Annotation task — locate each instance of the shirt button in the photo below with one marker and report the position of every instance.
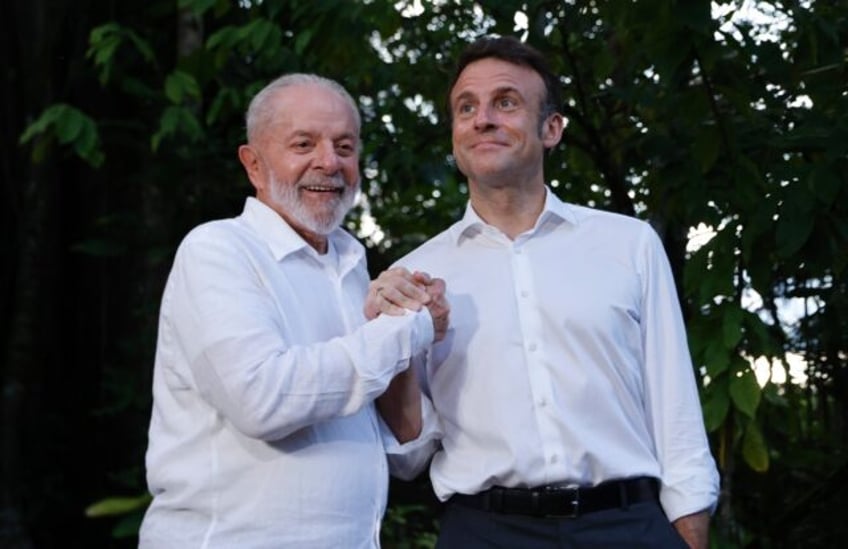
(542, 402)
(554, 458)
(531, 347)
(524, 293)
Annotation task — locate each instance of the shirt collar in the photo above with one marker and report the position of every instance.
(283, 240)
(555, 210)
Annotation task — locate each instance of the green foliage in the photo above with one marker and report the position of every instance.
(199, 7)
(69, 126)
(716, 404)
(408, 526)
(180, 85)
(177, 120)
(104, 43)
(129, 510)
(117, 506)
(745, 392)
(754, 448)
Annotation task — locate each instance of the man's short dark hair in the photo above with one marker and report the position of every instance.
(511, 50)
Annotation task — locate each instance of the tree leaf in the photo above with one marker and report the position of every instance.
(103, 43)
(261, 31)
(117, 505)
(188, 83)
(302, 41)
(224, 38)
(716, 357)
(142, 46)
(168, 123)
(745, 392)
(731, 325)
(69, 126)
(189, 125)
(174, 90)
(41, 123)
(87, 144)
(754, 449)
(716, 405)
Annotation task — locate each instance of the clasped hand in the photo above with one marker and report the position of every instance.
(398, 289)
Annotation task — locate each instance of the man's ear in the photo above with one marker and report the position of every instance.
(552, 130)
(252, 163)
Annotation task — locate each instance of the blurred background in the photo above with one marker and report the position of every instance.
(724, 124)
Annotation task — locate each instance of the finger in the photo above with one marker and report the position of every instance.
(377, 304)
(389, 308)
(440, 328)
(394, 273)
(371, 309)
(404, 292)
(421, 277)
(398, 278)
(436, 287)
(439, 303)
(390, 278)
(405, 295)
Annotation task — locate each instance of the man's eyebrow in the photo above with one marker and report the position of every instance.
(306, 133)
(503, 90)
(299, 133)
(461, 96)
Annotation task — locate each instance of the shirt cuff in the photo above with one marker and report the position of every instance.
(424, 332)
(677, 503)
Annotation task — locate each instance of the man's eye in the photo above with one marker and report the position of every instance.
(345, 149)
(506, 103)
(465, 108)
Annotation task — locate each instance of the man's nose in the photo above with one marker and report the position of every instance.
(484, 117)
(326, 158)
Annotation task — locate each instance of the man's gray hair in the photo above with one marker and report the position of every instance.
(259, 112)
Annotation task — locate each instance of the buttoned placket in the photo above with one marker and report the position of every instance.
(340, 272)
(531, 322)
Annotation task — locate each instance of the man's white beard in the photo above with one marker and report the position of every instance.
(286, 197)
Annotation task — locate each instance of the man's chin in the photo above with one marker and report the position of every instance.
(323, 224)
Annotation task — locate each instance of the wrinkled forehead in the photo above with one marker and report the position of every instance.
(490, 76)
(314, 109)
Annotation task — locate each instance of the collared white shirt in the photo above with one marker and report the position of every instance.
(263, 432)
(566, 360)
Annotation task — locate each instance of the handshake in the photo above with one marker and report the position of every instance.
(397, 289)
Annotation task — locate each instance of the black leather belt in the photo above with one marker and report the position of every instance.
(562, 501)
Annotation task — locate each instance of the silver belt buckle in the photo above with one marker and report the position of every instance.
(571, 494)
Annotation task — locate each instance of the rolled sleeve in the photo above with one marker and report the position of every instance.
(690, 479)
(689, 496)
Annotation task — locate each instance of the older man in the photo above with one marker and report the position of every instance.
(263, 431)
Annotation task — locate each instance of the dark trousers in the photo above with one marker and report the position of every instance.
(641, 525)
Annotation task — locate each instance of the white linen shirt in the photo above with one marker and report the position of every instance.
(566, 360)
(263, 431)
